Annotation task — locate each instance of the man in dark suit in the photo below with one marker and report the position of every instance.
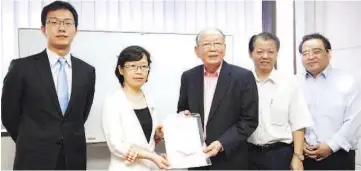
(47, 97)
(226, 98)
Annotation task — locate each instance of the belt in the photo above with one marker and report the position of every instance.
(269, 147)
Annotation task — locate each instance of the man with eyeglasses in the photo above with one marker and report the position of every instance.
(226, 98)
(334, 102)
(47, 97)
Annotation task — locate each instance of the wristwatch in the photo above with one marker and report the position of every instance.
(299, 156)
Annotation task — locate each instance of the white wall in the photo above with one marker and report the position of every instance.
(241, 19)
(284, 29)
(339, 21)
(342, 26)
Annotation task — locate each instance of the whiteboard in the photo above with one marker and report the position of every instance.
(171, 55)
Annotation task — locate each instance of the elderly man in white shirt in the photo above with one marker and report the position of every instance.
(277, 143)
(335, 104)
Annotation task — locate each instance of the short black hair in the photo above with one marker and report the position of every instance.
(264, 36)
(56, 5)
(326, 42)
(129, 54)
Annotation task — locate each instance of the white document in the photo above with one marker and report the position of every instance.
(183, 142)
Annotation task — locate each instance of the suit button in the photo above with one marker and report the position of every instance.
(60, 142)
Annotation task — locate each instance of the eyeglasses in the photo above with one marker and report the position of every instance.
(315, 52)
(57, 22)
(144, 68)
(262, 52)
(217, 45)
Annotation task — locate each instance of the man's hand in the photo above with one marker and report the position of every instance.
(159, 135)
(213, 149)
(320, 152)
(296, 163)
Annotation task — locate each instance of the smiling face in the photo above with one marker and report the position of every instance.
(211, 48)
(59, 29)
(264, 54)
(315, 57)
(135, 73)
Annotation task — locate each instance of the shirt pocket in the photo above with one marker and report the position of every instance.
(279, 115)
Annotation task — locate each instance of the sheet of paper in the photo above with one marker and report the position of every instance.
(183, 142)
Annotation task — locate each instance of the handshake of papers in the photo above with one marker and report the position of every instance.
(184, 141)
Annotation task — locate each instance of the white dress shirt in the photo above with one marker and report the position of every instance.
(282, 109)
(55, 66)
(335, 104)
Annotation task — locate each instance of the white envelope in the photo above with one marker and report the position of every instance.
(184, 141)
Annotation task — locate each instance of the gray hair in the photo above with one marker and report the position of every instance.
(207, 31)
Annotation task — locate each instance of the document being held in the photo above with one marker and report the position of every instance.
(184, 141)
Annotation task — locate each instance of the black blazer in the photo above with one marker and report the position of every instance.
(233, 115)
(32, 116)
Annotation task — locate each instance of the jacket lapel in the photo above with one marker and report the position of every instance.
(75, 80)
(199, 86)
(129, 116)
(222, 84)
(151, 107)
(43, 67)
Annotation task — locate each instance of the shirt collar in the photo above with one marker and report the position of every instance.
(325, 73)
(272, 77)
(53, 58)
(216, 74)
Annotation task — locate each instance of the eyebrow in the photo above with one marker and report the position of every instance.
(216, 41)
(262, 49)
(60, 18)
(317, 49)
(312, 49)
(133, 62)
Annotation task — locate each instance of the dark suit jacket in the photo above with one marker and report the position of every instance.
(233, 115)
(31, 113)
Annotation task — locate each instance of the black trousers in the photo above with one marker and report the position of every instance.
(341, 160)
(60, 164)
(276, 156)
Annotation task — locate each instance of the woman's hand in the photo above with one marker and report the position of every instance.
(137, 152)
(161, 161)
